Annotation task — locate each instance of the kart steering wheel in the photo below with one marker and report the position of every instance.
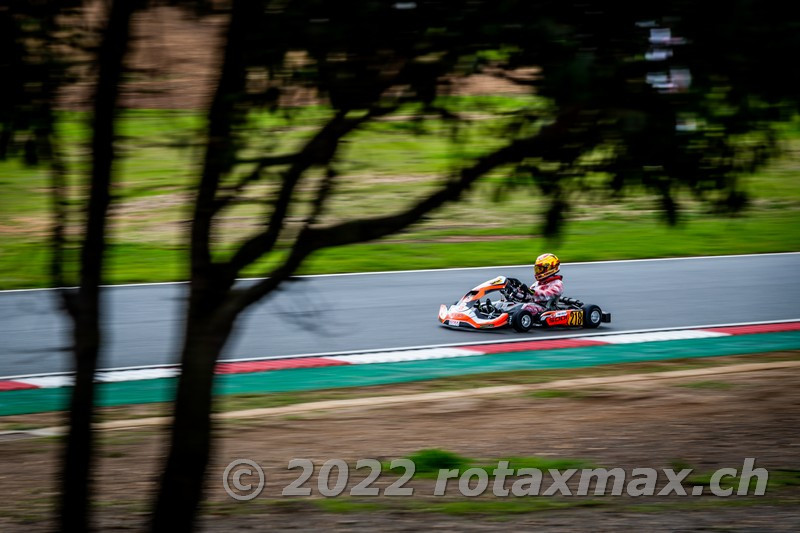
(508, 291)
(512, 287)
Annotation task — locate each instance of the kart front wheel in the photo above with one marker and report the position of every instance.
(522, 321)
(592, 316)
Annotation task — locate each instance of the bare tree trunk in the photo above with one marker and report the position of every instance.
(182, 483)
(77, 459)
(214, 303)
(181, 487)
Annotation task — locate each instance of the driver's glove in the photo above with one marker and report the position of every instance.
(521, 295)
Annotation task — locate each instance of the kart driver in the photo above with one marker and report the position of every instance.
(547, 287)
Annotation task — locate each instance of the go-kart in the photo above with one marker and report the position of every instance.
(472, 313)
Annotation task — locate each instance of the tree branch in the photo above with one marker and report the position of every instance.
(374, 228)
(232, 193)
(320, 150)
(323, 193)
(313, 239)
(220, 147)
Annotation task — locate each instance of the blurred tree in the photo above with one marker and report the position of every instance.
(370, 59)
(84, 305)
(34, 67)
(630, 97)
(674, 96)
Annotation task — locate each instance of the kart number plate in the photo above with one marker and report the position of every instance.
(455, 322)
(576, 318)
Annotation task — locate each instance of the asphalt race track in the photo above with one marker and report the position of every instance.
(321, 314)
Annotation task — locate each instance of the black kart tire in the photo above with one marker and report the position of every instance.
(592, 316)
(522, 321)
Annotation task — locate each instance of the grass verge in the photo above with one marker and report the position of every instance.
(383, 168)
(429, 462)
(24, 264)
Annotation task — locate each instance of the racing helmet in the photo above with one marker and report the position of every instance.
(545, 266)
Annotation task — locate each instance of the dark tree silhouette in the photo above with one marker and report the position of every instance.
(609, 114)
(84, 305)
(670, 97)
(33, 65)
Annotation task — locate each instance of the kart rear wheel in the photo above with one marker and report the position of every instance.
(592, 316)
(522, 321)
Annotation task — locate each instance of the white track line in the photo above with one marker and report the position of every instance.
(405, 355)
(49, 382)
(655, 336)
(579, 263)
(465, 345)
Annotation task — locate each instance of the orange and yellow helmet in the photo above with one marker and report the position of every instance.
(545, 266)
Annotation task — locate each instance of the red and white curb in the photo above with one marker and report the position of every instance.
(294, 362)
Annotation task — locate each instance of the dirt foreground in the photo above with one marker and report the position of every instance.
(703, 423)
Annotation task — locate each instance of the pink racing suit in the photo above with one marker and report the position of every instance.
(541, 292)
